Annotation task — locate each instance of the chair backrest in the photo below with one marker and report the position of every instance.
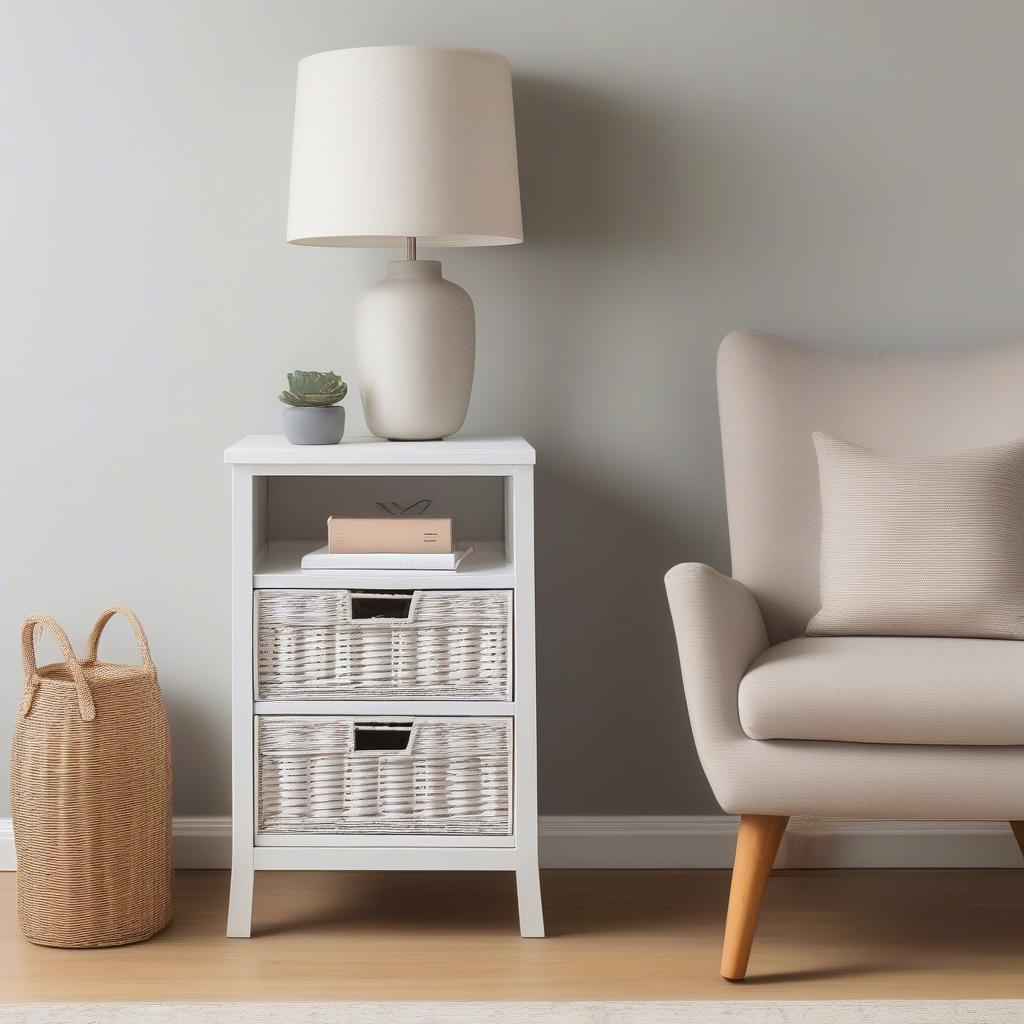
(773, 393)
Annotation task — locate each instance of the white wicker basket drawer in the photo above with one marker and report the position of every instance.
(344, 644)
(341, 775)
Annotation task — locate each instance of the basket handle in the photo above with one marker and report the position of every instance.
(86, 705)
(93, 643)
(389, 737)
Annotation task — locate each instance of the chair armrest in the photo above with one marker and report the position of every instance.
(719, 631)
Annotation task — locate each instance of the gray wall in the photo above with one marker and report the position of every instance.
(846, 172)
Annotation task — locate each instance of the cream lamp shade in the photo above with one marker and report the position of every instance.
(397, 142)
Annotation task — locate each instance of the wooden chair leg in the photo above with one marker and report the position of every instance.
(756, 846)
(1018, 831)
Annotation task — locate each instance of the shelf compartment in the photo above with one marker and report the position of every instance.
(279, 567)
(344, 775)
(426, 644)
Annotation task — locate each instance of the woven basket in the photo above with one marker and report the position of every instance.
(340, 644)
(341, 775)
(91, 795)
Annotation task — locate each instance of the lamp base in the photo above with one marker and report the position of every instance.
(415, 337)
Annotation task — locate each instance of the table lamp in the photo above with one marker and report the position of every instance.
(407, 146)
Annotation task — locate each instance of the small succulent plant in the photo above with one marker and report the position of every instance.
(308, 388)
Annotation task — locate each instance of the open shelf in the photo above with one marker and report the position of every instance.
(487, 568)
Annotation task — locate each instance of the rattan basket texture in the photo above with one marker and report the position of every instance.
(91, 795)
(451, 644)
(454, 776)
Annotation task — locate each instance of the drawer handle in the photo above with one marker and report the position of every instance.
(381, 606)
(382, 736)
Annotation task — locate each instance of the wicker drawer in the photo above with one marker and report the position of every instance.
(422, 644)
(341, 775)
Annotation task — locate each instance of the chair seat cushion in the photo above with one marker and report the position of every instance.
(921, 690)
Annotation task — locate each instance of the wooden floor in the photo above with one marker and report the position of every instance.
(613, 935)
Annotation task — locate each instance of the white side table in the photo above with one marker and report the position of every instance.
(259, 562)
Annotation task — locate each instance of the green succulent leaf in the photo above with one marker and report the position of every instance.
(314, 388)
(322, 400)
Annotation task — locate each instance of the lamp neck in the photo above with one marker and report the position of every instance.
(410, 247)
(418, 269)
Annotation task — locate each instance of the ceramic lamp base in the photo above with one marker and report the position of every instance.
(415, 337)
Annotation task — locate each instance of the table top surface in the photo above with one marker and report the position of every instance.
(275, 449)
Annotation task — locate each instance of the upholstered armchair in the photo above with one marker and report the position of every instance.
(838, 726)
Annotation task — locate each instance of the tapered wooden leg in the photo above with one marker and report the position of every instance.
(1018, 831)
(756, 846)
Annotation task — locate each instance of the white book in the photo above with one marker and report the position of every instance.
(439, 560)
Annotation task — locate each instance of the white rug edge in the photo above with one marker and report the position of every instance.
(755, 1011)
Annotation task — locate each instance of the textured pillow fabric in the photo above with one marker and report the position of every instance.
(921, 545)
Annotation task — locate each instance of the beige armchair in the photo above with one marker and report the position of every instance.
(844, 727)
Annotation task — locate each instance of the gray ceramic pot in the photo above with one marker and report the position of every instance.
(315, 424)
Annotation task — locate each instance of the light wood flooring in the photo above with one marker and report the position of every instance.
(613, 935)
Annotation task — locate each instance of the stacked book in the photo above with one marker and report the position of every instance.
(388, 542)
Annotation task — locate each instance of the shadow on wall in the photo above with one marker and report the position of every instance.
(595, 169)
(600, 178)
(202, 763)
(613, 725)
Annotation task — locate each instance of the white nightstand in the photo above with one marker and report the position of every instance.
(263, 560)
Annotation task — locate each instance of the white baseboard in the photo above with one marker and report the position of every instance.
(685, 841)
